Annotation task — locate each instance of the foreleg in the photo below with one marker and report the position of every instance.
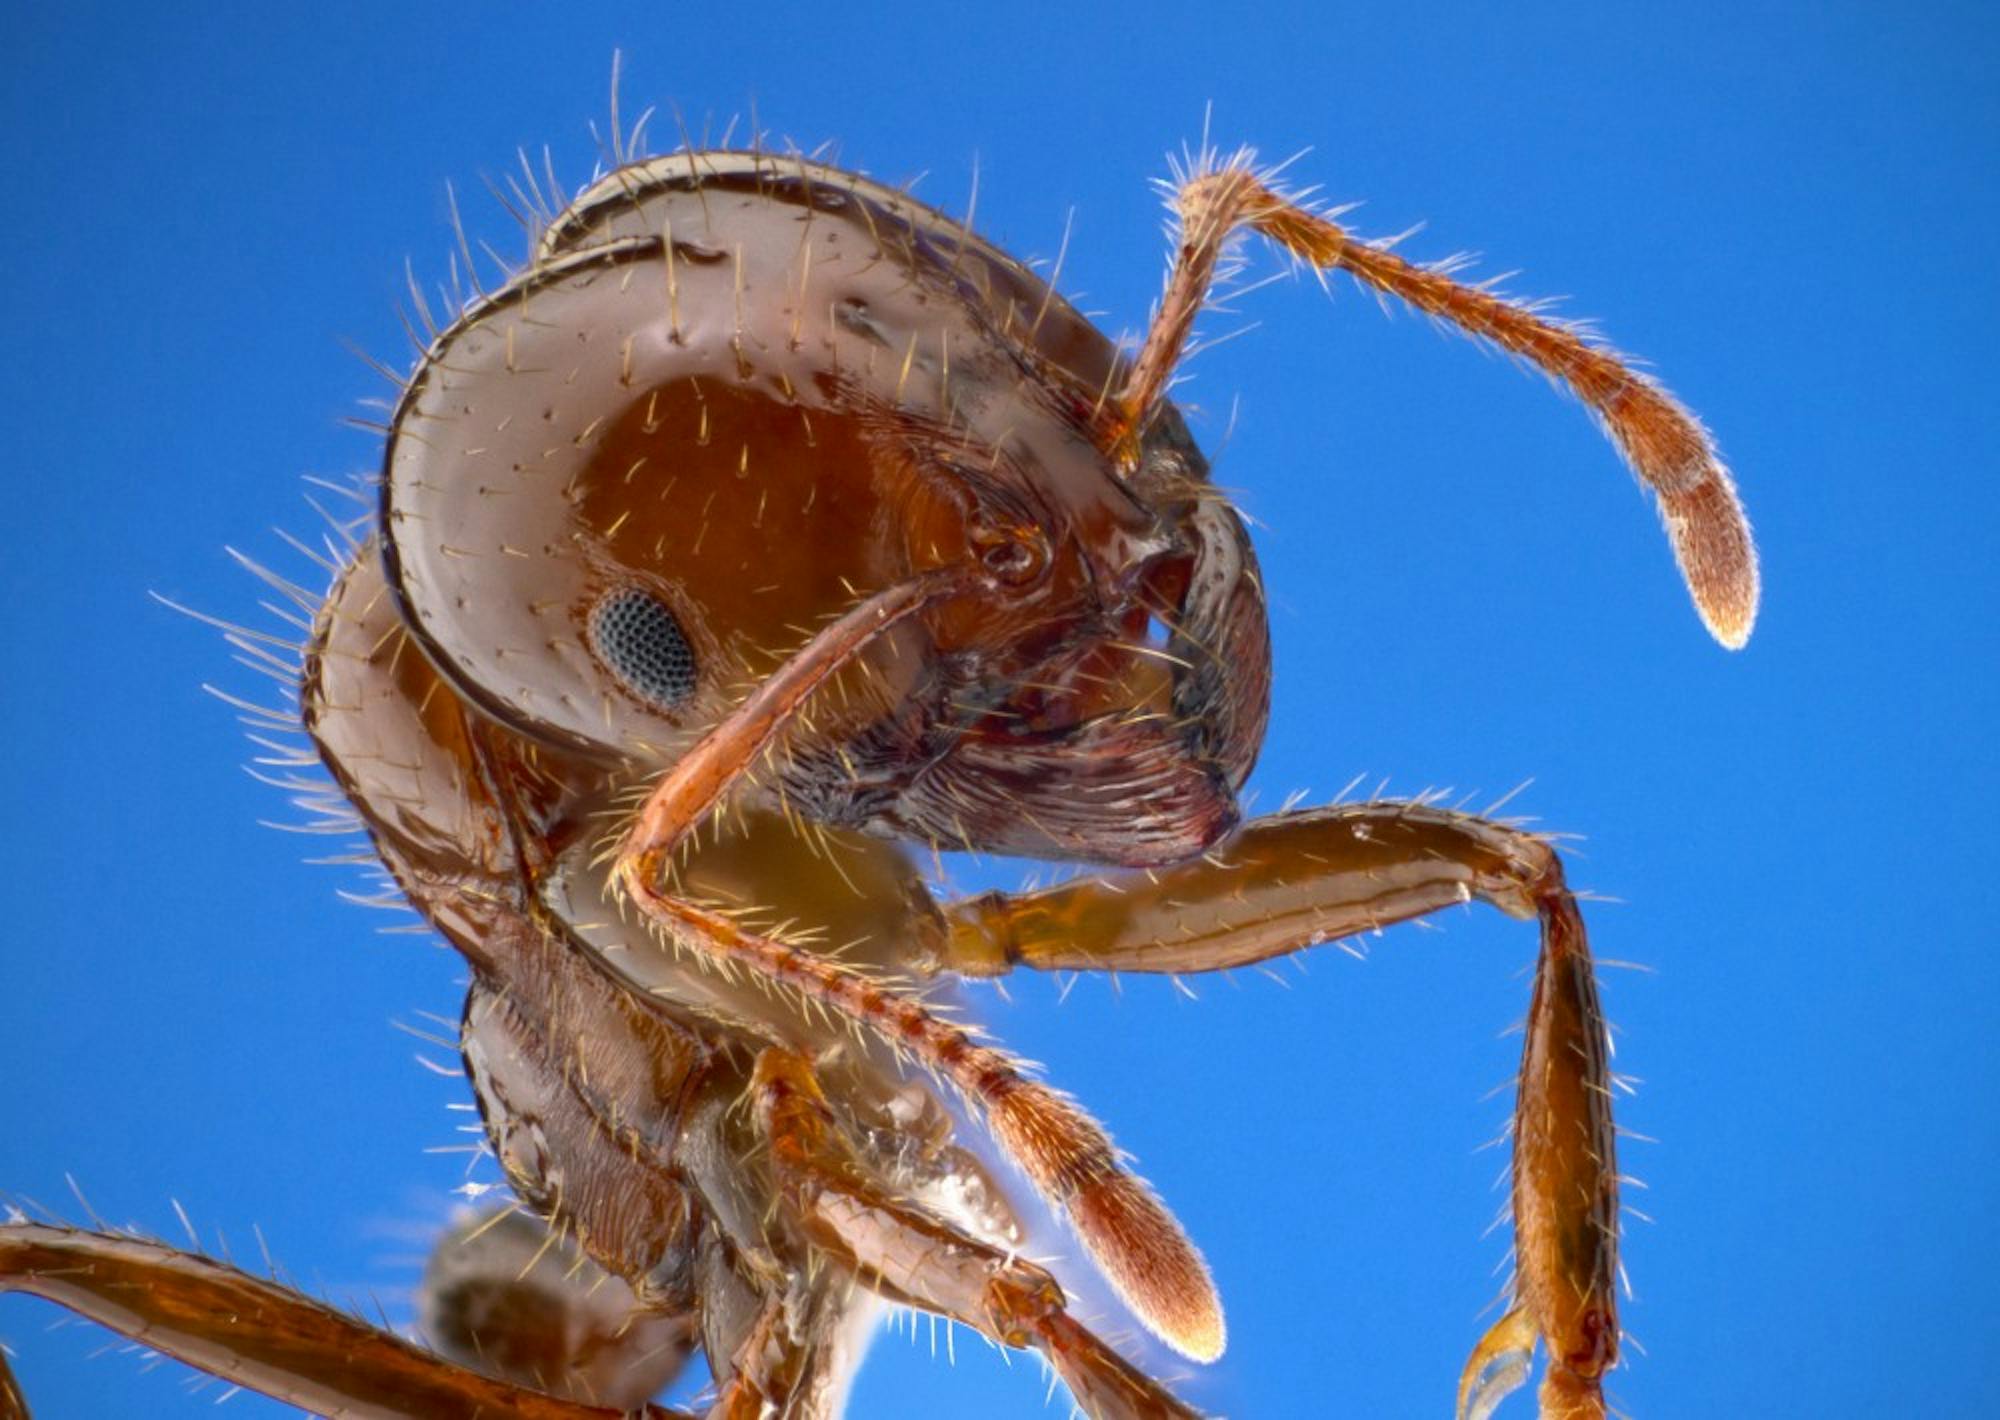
(1296, 879)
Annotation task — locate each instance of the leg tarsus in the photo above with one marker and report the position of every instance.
(1498, 1365)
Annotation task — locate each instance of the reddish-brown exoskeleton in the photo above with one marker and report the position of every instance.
(766, 523)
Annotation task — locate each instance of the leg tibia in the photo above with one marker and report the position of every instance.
(1565, 1170)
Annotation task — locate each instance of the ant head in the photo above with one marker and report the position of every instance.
(732, 394)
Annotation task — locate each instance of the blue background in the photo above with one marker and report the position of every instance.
(1788, 211)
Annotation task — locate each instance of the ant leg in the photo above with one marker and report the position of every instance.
(13, 1405)
(1068, 1155)
(801, 1348)
(908, 1254)
(765, 1371)
(1276, 885)
(257, 1334)
(1297, 879)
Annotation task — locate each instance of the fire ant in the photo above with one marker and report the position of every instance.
(765, 524)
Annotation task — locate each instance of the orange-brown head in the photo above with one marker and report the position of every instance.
(735, 393)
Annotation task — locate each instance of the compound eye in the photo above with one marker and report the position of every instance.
(638, 637)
